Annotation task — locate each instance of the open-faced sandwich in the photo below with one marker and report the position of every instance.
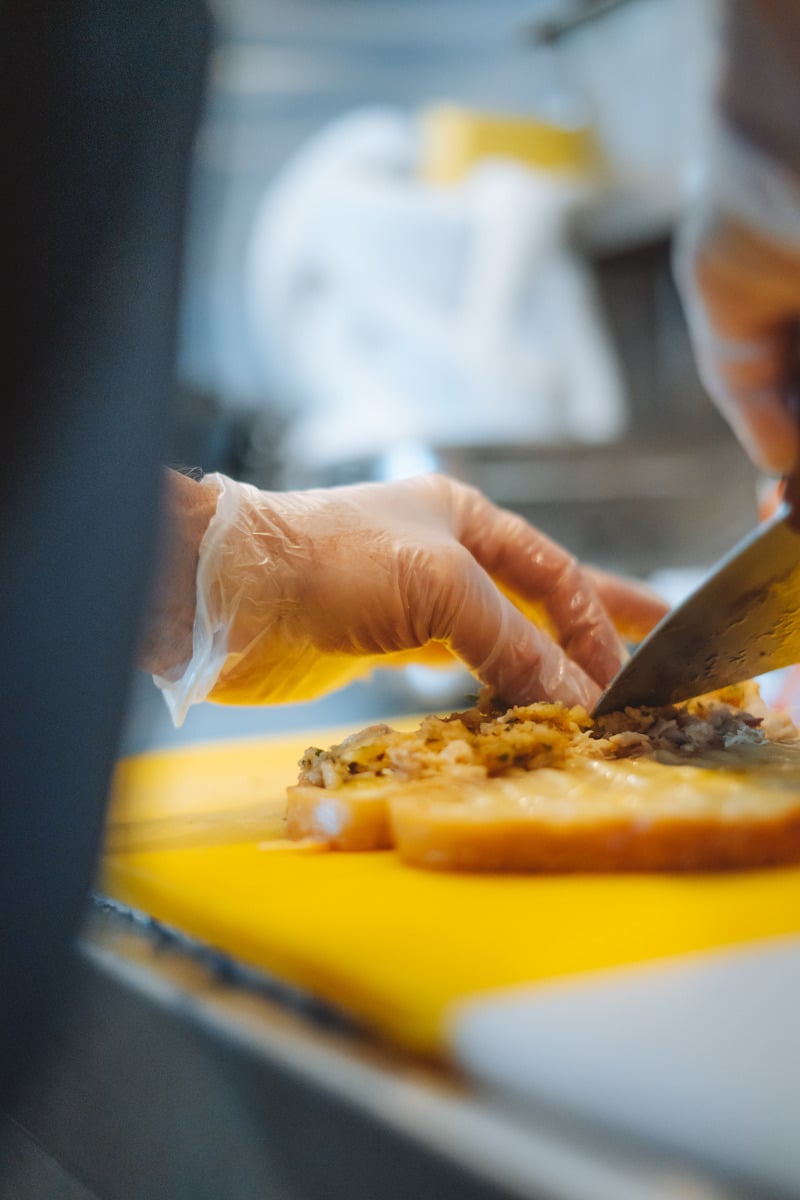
(712, 783)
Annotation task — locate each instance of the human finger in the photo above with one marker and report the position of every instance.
(749, 383)
(741, 295)
(538, 570)
(633, 606)
(458, 603)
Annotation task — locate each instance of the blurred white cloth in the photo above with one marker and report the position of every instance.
(389, 311)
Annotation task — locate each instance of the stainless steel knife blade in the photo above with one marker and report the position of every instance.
(742, 621)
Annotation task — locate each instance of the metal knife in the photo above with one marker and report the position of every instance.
(742, 621)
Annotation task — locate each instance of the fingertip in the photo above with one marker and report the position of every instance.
(769, 494)
(768, 433)
(535, 669)
(513, 656)
(747, 379)
(587, 633)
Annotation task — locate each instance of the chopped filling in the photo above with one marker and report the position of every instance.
(481, 744)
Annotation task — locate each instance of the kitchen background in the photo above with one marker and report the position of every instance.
(437, 234)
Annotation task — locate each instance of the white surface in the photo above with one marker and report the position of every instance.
(700, 1054)
(394, 312)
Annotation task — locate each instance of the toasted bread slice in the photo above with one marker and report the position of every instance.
(600, 816)
(706, 785)
(355, 817)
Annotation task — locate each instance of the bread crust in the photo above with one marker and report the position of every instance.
(703, 844)
(348, 818)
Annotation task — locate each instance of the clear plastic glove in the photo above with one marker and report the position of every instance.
(737, 265)
(298, 593)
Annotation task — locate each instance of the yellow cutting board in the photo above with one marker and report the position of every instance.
(195, 839)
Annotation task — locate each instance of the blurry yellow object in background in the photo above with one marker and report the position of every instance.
(455, 139)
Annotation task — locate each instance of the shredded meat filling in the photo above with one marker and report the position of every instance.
(481, 743)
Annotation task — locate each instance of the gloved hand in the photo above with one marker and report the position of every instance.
(298, 593)
(737, 264)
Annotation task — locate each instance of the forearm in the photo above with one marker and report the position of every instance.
(188, 506)
(737, 253)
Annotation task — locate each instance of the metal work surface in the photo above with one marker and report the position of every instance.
(174, 1074)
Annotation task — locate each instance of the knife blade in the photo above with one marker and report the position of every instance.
(742, 621)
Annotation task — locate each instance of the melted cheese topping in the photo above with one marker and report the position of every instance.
(476, 744)
(600, 791)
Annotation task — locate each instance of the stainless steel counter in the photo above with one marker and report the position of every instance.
(174, 1073)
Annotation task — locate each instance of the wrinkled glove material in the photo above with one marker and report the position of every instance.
(300, 593)
(737, 265)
